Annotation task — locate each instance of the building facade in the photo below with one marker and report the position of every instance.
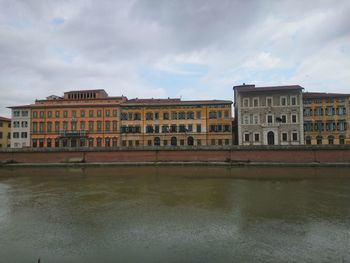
(172, 122)
(5, 132)
(326, 118)
(268, 115)
(91, 118)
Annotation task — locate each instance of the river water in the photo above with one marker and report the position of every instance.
(175, 214)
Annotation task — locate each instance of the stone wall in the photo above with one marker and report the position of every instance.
(285, 154)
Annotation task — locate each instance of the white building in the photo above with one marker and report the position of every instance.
(269, 115)
(20, 127)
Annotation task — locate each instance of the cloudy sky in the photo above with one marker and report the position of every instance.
(194, 49)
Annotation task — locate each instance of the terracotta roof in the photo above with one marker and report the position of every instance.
(324, 95)
(252, 88)
(4, 119)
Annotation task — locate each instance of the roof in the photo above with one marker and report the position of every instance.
(312, 95)
(85, 90)
(252, 88)
(172, 102)
(4, 119)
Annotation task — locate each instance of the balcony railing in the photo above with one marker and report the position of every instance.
(70, 133)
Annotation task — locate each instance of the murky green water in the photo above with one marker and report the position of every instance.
(175, 214)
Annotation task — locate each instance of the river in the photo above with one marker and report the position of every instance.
(174, 214)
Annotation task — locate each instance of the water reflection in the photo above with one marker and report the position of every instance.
(156, 214)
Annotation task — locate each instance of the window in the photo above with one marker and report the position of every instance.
(49, 114)
(65, 126)
(308, 140)
(256, 119)
(219, 114)
(199, 128)
(82, 125)
(190, 115)
(74, 114)
(269, 118)
(166, 116)
(156, 115)
(330, 139)
(137, 116)
(15, 135)
(42, 114)
(35, 126)
(41, 127)
(99, 142)
(256, 102)
(283, 101)
(284, 118)
(91, 113)
(57, 114)
(295, 136)
(74, 125)
(294, 118)
(341, 139)
(182, 115)
(269, 101)
(319, 139)
(114, 113)
(149, 129)
(108, 126)
(99, 113)
(25, 113)
(35, 114)
(226, 114)
(284, 137)
(114, 126)
(108, 113)
(198, 114)
(227, 141)
(245, 102)
(199, 142)
(246, 119)
(212, 115)
(82, 113)
(48, 143)
(16, 113)
(49, 126)
(91, 126)
(256, 137)
(124, 116)
(213, 142)
(99, 126)
(156, 128)
(293, 100)
(174, 115)
(189, 127)
(246, 137)
(57, 126)
(65, 114)
(149, 116)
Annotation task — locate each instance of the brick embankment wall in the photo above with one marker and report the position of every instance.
(291, 154)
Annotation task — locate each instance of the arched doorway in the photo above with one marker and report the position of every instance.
(173, 141)
(270, 138)
(157, 141)
(190, 141)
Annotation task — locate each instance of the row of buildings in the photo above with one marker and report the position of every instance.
(278, 115)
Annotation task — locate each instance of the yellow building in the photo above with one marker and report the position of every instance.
(326, 118)
(172, 122)
(5, 131)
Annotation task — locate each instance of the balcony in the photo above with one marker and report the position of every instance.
(73, 134)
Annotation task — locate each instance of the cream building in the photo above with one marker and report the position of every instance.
(268, 115)
(20, 127)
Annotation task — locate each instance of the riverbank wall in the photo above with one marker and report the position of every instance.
(234, 154)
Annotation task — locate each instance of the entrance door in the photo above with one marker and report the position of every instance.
(73, 143)
(270, 138)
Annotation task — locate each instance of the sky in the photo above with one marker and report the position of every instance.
(191, 49)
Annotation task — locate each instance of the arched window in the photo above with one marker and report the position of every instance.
(330, 139)
(190, 141)
(341, 139)
(319, 139)
(157, 141)
(173, 141)
(308, 140)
